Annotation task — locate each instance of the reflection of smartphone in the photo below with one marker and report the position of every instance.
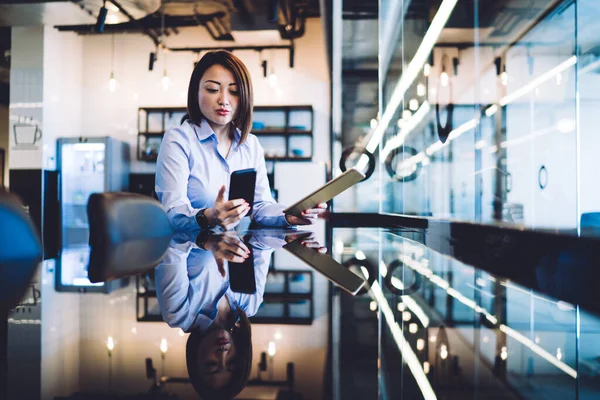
(333, 270)
(241, 275)
(242, 185)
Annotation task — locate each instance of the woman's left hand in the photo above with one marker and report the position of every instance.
(309, 217)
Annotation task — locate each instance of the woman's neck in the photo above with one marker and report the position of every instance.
(225, 315)
(223, 132)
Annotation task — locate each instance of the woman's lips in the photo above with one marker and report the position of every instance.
(222, 112)
(222, 342)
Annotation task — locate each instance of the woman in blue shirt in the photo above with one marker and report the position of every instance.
(197, 158)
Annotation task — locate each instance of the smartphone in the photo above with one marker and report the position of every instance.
(242, 185)
(241, 275)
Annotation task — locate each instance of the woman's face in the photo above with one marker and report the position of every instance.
(218, 95)
(216, 358)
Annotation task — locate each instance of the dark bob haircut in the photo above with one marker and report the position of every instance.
(242, 337)
(243, 116)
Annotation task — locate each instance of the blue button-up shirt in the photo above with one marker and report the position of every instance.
(190, 170)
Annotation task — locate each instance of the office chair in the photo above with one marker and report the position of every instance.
(20, 250)
(129, 234)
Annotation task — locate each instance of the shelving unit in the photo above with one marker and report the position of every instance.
(285, 132)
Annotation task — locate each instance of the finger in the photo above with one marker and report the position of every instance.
(322, 205)
(235, 250)
(221, 195)
(231, 204)
(236, 214)
(234, 258)
(322, 250)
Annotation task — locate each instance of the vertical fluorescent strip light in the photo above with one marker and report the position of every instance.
(409, 75)
(538, 81)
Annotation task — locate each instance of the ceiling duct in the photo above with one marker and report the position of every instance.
(74, 12)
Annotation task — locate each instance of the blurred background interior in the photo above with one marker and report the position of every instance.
(476, 228)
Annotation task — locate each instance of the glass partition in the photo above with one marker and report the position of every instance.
(487, 111)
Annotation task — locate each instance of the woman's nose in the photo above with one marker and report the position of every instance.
(223, 99)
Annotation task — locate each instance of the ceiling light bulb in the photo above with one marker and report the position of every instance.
(537, 339)
(421, 90)
(444, 352)
(444, 79)
(271, 349)
(504, 78)
(559, 354)
(406, 316)
(278, 335)
(110, 344)
(373, 123)
(164, 347)
(166, 82)
(273, 80)
(504, 353)
(373, 306)
(426, 69)
(112, 83)
(401, 123)
(401, 307)
(112, 19)
(420, 344)
(413, 104)
(406, 114)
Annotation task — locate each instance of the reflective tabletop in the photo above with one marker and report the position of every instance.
(360, 313)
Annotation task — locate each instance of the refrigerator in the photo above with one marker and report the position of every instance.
(85, 166)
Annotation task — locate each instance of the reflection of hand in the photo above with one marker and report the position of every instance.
(226, 247)
(309, 217)
(227, 214)
(308, 241)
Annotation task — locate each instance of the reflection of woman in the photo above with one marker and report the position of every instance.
(197, 158)
(194, 295)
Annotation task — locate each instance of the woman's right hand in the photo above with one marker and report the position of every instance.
(226, 247)
(227, 214)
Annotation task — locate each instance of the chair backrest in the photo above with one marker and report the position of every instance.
(129, 234)
(20, 250)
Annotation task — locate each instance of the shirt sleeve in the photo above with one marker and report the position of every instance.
(172, 174)
(172, 287)
(266, 211)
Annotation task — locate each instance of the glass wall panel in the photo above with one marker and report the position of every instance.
(479, 117)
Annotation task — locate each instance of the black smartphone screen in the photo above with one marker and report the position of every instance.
(242, 185)
(241, 275)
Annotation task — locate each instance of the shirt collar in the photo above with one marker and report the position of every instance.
(204, 131)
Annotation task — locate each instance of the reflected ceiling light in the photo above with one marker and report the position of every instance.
(537, 339)
(433, 339)
(426, 367)
(426, 69)
(421, 90)
(401, 307)
(406, 115)
(164, 346)
(407, 128)
(491, 110)
(401, 123)
(566, 125)
(504, 353)
(539, 351)
(112, 19)
(559, 354)
(480, 144)
(420, 344)
(504, 78)
(408, 355)
(411, 72)
(406, 316)
(278, 335)
(373, 123)
(413, 328)
(373, 306)
(486, 339)
(360, 255)
(509, 98)
(425, 161)
(413, 104)
(444, 78)
(134, 330)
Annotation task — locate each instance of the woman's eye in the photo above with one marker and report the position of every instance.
(234, 92)
(212, 90)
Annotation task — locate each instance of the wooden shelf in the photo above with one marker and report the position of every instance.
(288, 158)
(157, 134)
(268, 132)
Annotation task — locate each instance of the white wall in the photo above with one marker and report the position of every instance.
(115, 114)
